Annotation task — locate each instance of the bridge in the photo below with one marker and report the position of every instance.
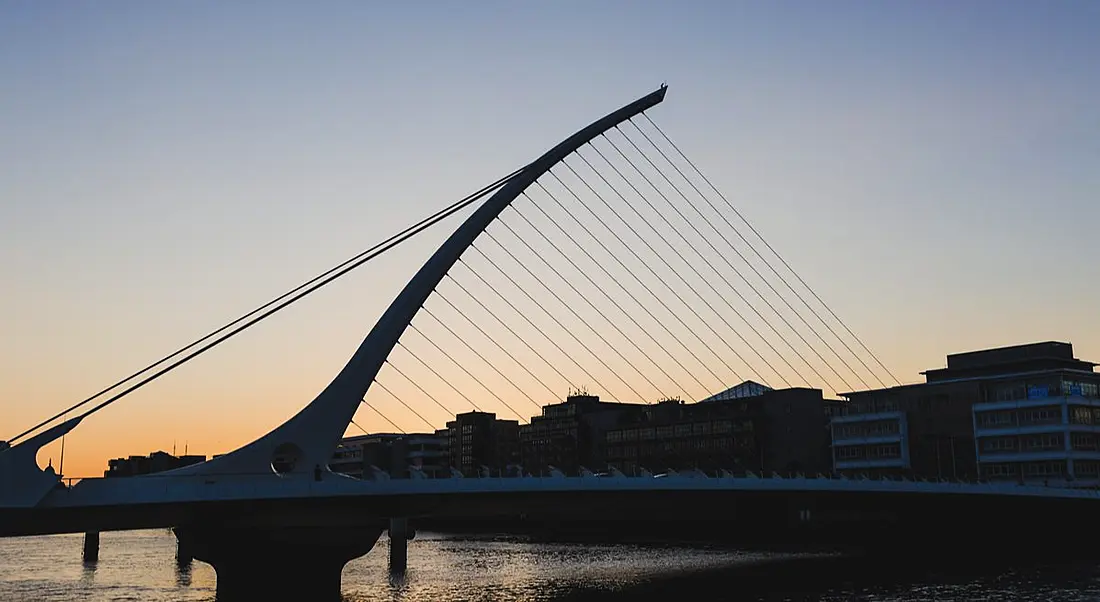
(274, 504)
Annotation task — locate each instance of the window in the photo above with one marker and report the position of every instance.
(1042, 442)
(999, 444)
(1080, 415)
(1008, 392)
(1083, 441)
(1078, 388)
(1044, 469)
(1085, 468)
(995, 419)
(867, 429)
(890, 450)
(887, 406)
(1041, 416)
(998, 470)
(849, 453)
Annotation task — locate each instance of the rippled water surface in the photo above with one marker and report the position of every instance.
(141, 566)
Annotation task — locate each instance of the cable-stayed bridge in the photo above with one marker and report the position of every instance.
(609, 264)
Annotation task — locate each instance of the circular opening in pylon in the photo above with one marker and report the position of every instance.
(285, 458)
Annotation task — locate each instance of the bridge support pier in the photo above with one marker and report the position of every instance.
(91, 546)
(289, 563)
(399, 545)
(184, 556)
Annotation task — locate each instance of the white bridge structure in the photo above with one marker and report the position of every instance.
(270, 531)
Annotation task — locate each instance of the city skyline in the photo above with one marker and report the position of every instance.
(179, 193)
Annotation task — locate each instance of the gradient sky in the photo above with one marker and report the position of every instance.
(931, 168)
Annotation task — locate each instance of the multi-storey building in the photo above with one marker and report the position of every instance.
(393, 453)
(749, 427)
(1042, 425)
(479, 441)
(569, 435)
(1018, 413)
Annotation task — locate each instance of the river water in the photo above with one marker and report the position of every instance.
(140, 566)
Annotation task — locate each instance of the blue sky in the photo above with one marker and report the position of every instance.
(931, 168)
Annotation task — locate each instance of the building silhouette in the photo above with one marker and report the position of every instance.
(155, 462)
(395, 454)
(479, 442)
(746, 428)
(569, 435)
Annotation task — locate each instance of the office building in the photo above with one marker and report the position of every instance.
(569, 435)
(479, 442)
(746, 428)
(395, 454)
(1023, 413)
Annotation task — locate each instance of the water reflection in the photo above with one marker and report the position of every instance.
(87, 576)
(141, 566)
(183, 574)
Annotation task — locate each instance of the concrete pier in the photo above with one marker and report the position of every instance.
(399, 545)
(284, 563)
(184, 556)
(91, 546)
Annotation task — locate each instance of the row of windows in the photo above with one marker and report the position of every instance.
(679, 430)
(869, 452)
(1013, 391)
(1055, 468)
(871, 407)
(1039, 416)
(867, 429)
(1084, 468)
(632, 451)
(1048, 442)
(540, 428)
(1044, 442)
(1084, 389)
(1025, 417)
(547, 442)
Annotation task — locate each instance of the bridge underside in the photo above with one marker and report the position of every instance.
(745, 518)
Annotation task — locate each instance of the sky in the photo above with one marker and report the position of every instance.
(929, 168)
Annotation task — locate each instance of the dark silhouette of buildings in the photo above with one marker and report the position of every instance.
(569, 435)
(396, 454)
(479, 441)
(747, 428)
(157, 461)
(1026, 413)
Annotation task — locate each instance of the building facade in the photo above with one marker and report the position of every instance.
(747, 428)
(479, 441)
(1041, 426)
(569, 435)
(395, 454)
(1023, 413)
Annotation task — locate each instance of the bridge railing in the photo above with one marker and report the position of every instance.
(245, 477)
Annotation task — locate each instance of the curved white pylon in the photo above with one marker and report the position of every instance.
(314, 432)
